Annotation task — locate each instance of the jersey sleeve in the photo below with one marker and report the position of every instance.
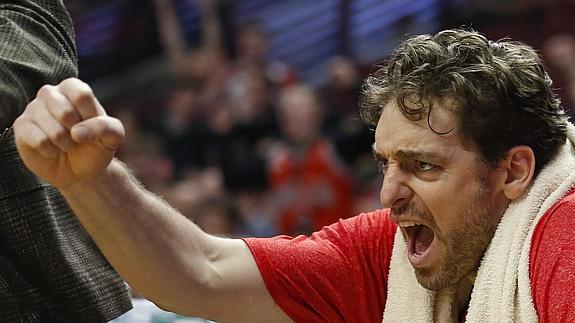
(338, 274)
(552, 263)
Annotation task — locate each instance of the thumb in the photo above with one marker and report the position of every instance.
(109, 131)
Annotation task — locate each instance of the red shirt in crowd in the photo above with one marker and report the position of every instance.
(339, 274)
(312, 188)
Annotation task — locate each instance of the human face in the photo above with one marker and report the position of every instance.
(441, 195)
(300, 117)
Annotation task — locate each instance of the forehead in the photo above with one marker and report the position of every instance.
(395, 133)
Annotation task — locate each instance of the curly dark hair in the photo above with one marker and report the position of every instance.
(501, 92)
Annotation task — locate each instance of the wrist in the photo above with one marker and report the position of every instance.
(110, 175)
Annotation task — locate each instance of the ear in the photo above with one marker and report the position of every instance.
(519, 166)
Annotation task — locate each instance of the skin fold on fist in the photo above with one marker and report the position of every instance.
(65, 136)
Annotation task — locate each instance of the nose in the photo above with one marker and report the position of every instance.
(394, 190)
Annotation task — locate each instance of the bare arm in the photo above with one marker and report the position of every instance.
(171, 35)
(65, 137)
(211, 28)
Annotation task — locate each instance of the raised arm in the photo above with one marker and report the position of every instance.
(65, 137)
(50, 270)
(181, 59)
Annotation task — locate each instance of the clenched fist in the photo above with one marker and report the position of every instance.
(65, 136)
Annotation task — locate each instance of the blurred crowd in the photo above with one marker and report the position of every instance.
(243, 147)
(239, 144)
(546, 25)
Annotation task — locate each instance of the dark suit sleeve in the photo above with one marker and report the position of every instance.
(50, 269)
(37, 47)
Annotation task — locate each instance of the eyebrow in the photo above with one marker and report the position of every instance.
(411, 154)
(377, 156)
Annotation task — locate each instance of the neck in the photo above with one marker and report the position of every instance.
(463, 294)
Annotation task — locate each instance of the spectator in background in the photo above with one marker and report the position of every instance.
(190, 192)
(144, 151)
(340, 93)
(499, 19)
(252, 54)
(340, 100)
(218, 216)
(233, 96)
(234, 147)
(181, 125)
(560, 53)
(198, 63)
(310, 186)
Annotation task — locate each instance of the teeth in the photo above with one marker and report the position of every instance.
(405, 224)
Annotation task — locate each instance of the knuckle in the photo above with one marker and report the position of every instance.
(19, 126)
(72, 81)
(18, 122)
(59, 134)
(32, 107)
(31, 104)
(66, 115)
(46, 91)
(120, 127)
(40, 143)
(84, 92)
(77, 89)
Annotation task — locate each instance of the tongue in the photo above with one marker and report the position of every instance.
(423, 239)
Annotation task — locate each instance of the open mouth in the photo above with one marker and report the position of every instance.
(419, 241)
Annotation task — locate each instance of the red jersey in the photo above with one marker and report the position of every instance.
(339, 274)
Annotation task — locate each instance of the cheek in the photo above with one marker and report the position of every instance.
(449, 204)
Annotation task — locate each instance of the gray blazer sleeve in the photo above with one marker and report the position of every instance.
(50, 270)
(37, 47)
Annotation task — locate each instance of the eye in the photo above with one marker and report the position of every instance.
(426, 171)
(424, 167)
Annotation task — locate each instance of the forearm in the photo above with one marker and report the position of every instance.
(160, 253)
(211, 30)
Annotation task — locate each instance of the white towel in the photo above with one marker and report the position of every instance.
(502, 290)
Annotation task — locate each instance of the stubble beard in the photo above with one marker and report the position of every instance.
(463, 247)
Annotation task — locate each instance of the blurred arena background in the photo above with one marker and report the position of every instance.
(244, 114)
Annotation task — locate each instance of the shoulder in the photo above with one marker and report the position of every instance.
(552, 262)
(557, 226)
(338, 274)
(363, 230)
(372, 224)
